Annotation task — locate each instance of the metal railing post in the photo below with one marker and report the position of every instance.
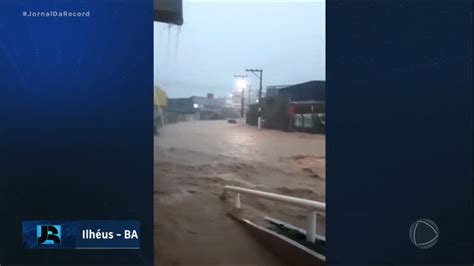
(311, 228)
(237, 201)
(313, 207)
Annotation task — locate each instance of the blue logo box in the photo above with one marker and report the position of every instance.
(48, 234)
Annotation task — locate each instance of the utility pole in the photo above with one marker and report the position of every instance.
(250, 97)
(242, 104)
(242, 100)
(260, 77)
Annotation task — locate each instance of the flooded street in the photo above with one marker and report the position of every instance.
(195, 160)
(240, 141)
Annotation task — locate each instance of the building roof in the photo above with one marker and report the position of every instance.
(312, 90)
(168, 11)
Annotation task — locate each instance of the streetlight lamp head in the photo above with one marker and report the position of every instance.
(241, 84)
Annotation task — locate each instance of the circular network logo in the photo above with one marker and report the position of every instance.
(424, 233)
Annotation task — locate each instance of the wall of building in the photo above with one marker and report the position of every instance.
(274, 113)
(180, 105)
(310, 96)
(208, 102)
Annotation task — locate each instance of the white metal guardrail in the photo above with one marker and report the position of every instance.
(313, 207)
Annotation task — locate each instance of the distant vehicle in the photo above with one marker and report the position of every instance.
(232, 121)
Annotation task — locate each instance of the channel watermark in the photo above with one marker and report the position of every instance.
(56, 14)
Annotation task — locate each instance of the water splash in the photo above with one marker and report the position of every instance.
(167, 51)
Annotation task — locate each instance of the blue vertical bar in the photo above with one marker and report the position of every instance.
(76, 131)
(399, 145)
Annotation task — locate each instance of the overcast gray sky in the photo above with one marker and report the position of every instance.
(221, 38)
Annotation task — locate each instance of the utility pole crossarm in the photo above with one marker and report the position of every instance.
(253, 72)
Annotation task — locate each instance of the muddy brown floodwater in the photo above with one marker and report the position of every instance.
(193, 162)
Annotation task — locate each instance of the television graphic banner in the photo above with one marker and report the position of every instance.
(81, 234)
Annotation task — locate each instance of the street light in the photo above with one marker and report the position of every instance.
(241, 84)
